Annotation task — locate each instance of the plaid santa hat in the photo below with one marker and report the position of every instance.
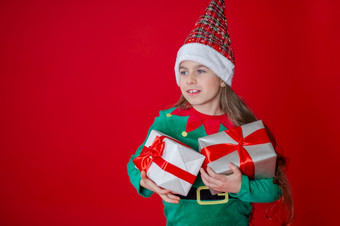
(209, 44)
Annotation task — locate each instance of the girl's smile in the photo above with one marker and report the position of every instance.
(193, 92)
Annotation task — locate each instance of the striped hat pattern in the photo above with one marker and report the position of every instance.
(211, 30)
(209, 43)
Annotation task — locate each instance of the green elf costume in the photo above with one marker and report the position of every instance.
(209, 45)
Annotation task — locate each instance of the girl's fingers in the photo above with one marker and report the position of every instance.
(162, 191)
(213, 180)
(165, 194)
(213, 175)
(143, 174)
(204, 176)
(207, 180)
(204, 173)
(234, 168)
(170, 198)
(149, 184)
(211, 172)
(207, 177)
(155, 188)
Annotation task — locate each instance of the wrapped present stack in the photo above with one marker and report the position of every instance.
(169, 163)
(247, 146)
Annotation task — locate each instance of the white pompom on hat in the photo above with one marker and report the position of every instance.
(209, 44)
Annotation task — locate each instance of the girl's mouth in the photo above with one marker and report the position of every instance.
(193, 92)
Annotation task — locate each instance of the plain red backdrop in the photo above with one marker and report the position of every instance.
(81, 81)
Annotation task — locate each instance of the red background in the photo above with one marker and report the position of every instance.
(81, 81)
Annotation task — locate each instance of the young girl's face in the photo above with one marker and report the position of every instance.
(200, 86)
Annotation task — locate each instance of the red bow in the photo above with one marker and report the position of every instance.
(217, 151)
(154, 153)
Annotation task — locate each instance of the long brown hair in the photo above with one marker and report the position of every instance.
(239, 114)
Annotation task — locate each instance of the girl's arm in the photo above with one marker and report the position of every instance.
(258, 191)
(135, 174)
(144, 186)
(239, 186)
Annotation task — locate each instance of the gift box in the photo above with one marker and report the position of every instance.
(169, 163)
(247, 146)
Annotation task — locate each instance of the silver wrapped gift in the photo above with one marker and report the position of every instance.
(178, 155)
(263, 155)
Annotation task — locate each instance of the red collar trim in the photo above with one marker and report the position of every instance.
(196, 119)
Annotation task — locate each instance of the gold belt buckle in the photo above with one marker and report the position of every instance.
(214, 202)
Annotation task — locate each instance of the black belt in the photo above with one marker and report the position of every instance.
(203, 196)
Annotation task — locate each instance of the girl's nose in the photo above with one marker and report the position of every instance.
(191, 79)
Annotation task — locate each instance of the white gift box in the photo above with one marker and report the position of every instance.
(263, 155)
(178, 155)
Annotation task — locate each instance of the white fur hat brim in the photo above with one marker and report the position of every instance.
(208, 57)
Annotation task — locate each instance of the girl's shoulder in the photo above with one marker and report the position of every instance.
(167, 112)
(164, 116)
(174, 111)
(171, 116)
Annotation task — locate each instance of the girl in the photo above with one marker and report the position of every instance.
(204, 70)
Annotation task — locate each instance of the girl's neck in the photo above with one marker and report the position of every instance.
(209, 110)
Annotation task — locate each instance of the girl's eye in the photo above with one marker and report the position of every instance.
(200, 71)
(183, 72)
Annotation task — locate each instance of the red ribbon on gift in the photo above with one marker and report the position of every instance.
(216, 151)
(153, 154)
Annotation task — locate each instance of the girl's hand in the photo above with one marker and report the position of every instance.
(166, 195)
(223, 183)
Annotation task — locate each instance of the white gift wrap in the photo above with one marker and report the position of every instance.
(263, 155)
(181, 156)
